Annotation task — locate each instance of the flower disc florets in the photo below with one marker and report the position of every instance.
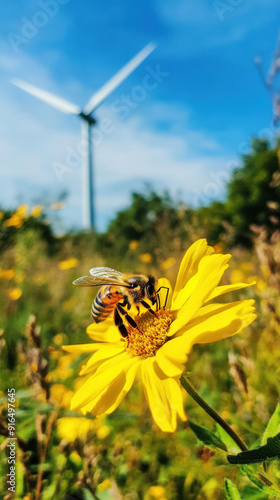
(150, 333)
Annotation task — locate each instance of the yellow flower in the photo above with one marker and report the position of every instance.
(68, 264)
(7, 274)
(156, 351)
(133, 245)
(59, 338)
(36, 211)
(103, 432)
(60, 395)
(1, 215)
(75, 458)
(14, 293)
(15, 220)
(157, 493)
(71, 428)
(105, 485)
(22, 210)
(146, 258)
(168, 263)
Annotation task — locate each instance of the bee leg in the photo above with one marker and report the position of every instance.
(158, 297)
(128, 318)
(145, 304)
(125, 303)
(119, 323)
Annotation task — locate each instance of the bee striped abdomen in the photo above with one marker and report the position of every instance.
(104, 303)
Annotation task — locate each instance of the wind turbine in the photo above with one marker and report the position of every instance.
(88, 121)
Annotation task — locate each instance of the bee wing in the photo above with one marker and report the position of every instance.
(101, 276)
(87, 281)
(106, 272)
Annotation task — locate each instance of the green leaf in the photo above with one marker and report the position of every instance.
(24, 393)
(207, 437)
(246, 469)
(269, 450)
(230, 444)
(251, 493)
(273, 426)
(231, 490)
(87, 494)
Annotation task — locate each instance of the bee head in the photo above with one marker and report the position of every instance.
(142, 287)
(151, 289)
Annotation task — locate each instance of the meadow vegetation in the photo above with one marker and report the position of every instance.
(63, 455)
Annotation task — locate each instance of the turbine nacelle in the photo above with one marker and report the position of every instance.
(88, 118)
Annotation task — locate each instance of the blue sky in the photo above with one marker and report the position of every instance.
(185, 135)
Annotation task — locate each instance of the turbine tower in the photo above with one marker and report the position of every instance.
(87, 122)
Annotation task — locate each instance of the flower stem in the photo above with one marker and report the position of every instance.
(192, 392)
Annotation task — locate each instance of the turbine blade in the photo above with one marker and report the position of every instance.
(99, 96)
(56, 102)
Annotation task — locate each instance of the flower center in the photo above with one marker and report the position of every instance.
(150, 333)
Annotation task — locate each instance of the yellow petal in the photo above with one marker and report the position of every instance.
(220, 290)
(164, 396)
(190, 262)
(173, 355)
(199, 288)
(165, 293)
(113, 395)
(81, 348)
(96, 383)
(108, 351)
(219, 321)
(106, 331)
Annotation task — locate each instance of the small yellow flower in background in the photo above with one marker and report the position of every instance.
(36, 211)
(105, 485)
(22, 210)
(146, 258)
(58, 206)
(59, 338)
(34, 367)
(14, 293)
(103, 432)
(60, 395)
(7, 274)
(168, 263)
(75, 458)
(247, 266)
(157, 493)
(261, 285)
(71, 428)
(63, 369)
(156, 350)
(1, 215)
(15, 220)
(133, 245)
(68, 263)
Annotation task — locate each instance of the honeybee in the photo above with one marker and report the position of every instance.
(118, 291)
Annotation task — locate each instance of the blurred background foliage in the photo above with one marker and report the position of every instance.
(65, 456)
